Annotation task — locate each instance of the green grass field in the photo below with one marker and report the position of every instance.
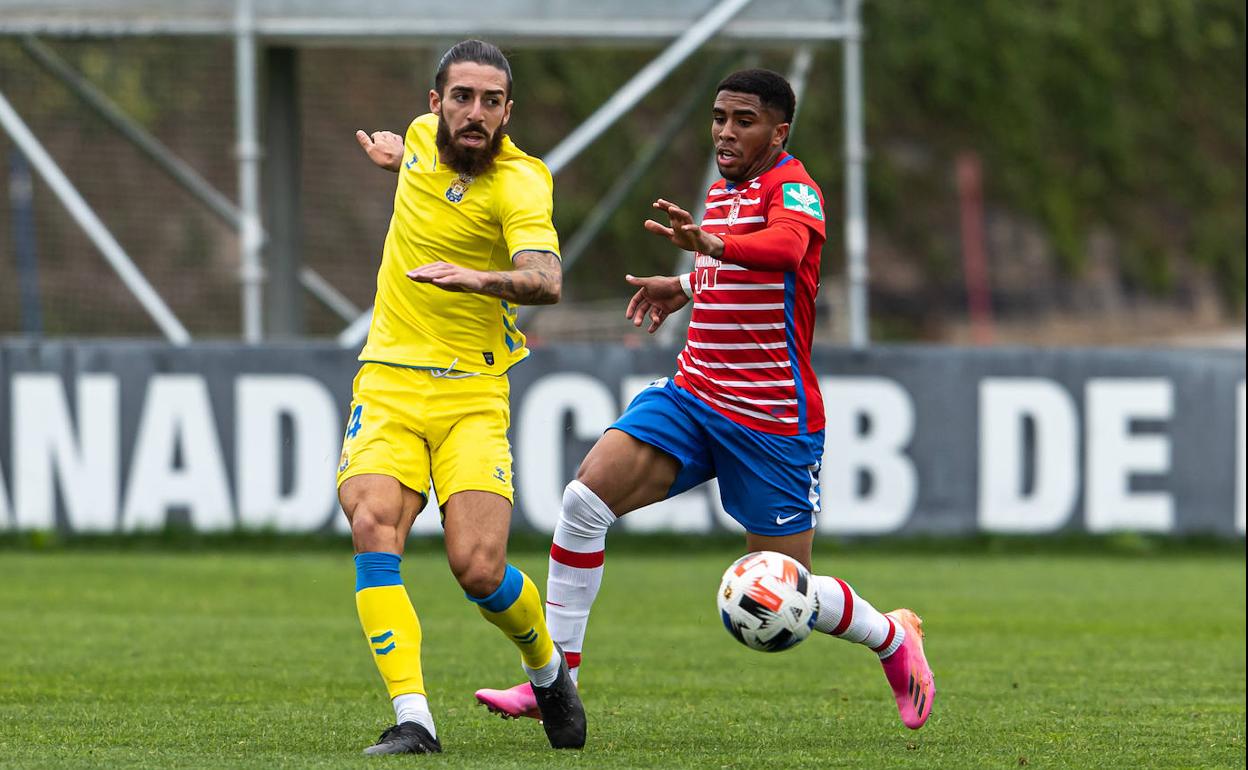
(248, 658)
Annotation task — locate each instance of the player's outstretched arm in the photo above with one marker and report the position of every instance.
(383, 148)
(536, 280)
(657, 297)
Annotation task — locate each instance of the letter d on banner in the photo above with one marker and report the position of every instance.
(1005, 404)
(260, 401)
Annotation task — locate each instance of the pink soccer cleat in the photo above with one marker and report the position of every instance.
(512, 703)
(908, 674)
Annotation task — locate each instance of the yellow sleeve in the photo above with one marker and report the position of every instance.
(525, 209)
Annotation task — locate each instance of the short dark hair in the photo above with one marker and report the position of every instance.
(476, 51)
(772, 90)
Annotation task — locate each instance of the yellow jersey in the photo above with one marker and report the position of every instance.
(479, 223)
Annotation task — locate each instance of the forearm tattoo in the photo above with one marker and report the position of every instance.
(536, 280)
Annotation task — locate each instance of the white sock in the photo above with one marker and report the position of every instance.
(576, 558)
(414, 707)
(844, 614)
(546, 675)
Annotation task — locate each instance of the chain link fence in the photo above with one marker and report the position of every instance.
(180, 91)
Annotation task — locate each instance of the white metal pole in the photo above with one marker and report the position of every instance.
(175, 167)
(642, 83)
(91, 225)
(329, 296)
(855, 183)
(251, 240)
(799, 73)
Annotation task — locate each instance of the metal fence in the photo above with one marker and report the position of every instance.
(231, 96)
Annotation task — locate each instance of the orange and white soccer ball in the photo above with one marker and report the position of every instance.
(768, 601)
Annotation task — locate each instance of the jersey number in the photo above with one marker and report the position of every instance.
(353, 425)
(707, 277)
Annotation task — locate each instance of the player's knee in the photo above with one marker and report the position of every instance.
(372, 528)
(584, 514)
(478, 572)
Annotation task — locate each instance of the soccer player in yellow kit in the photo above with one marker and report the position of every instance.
(471, 238)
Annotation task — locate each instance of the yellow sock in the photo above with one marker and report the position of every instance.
(516, 608)
(389, 622)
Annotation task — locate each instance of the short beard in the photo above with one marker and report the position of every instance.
(467, 160)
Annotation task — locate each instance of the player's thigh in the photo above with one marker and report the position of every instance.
(470, 451)
(655, 450)
(476, 525)
(627, 473)
(385, 431)
(471, 465)
(769, 483)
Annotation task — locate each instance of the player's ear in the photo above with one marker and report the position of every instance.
(435, 102)
(780, 135)
(507, 112)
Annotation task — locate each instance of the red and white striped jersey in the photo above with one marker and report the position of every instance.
(748, 351)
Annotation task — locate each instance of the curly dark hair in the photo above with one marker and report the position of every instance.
(772, 90)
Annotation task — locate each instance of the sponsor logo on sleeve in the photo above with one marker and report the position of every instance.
(803, 198)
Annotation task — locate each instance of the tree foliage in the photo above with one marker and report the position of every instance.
(1123, 113)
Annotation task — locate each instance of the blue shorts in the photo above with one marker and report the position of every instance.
(768, 483)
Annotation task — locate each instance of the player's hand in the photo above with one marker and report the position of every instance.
(383, 148)
(450, 277)
(683, 232)
(657, 297)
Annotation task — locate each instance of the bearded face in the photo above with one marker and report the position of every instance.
(470, 149)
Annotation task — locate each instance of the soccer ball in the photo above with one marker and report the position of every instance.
(768, 601)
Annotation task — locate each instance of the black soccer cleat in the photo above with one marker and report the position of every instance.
(406, 738)
(563, 716)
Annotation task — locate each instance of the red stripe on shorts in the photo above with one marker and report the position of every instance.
(574, 559)
(847, 612)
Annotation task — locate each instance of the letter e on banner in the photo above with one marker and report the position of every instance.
(1115, 454)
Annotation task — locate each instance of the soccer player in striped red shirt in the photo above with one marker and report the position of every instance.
(744, 405)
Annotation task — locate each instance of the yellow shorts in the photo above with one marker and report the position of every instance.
(410, 425)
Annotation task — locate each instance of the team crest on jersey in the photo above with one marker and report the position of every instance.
(803, 198)
(455, 193)
(734, 210)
